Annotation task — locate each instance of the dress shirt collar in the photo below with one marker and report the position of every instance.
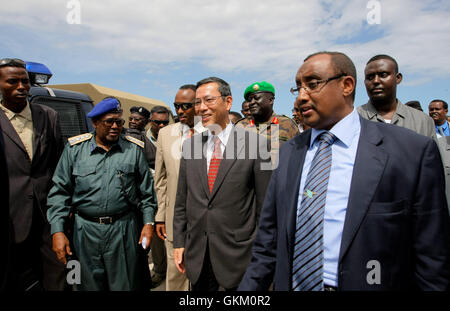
(223, 135)
(444, 126)
(400, 110)
(345, 130)
(25, 113)
(94, 147)
(198, 128)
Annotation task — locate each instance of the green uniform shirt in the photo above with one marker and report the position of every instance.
(87, 178)
(287, 128)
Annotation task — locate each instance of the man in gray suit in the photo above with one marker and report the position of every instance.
(224, 173)
(381, 77)
(444, 148)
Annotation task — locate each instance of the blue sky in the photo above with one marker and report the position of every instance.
(150, 48)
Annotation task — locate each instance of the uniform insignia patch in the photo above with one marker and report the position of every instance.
(79, 138)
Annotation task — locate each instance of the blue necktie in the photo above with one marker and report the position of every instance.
(307, 267)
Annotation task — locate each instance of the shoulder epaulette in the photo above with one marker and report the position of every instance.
(79, 138)
(136, 141)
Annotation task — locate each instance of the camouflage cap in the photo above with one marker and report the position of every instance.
(262, 86)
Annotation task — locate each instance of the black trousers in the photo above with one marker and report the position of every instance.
(207, 281)
(34, 265)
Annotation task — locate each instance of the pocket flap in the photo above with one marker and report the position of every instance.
(83, 170)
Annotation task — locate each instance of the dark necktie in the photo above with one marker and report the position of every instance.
(214, 164)
(307, 267)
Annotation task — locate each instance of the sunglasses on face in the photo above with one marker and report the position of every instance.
(110, 122)
(159, 122)
(184, 106)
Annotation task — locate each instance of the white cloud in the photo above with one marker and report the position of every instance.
(270, 37)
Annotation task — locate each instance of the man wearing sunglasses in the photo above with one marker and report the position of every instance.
(33, 144)
(104, 179)
(170, 140)
(159, 118)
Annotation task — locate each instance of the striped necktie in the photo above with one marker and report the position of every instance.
(214, 164)
(307, 269)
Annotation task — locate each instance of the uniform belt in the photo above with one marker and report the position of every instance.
(329, 288)
(106, 220)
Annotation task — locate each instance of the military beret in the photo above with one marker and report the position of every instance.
(140, 110)
(109, 104)
(262, 86)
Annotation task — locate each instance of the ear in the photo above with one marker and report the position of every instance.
(348, 85)
(399, 78)
(229, 102)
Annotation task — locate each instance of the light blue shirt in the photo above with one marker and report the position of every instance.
(444, 128)
(344, 149)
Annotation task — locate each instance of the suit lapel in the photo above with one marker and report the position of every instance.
(9, 131)
(38, 128)
(294, 173)
(369, 166)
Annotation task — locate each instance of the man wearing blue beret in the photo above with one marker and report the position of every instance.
(104, 179)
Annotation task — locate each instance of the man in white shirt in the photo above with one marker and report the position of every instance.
(224, 173)
(168, 145)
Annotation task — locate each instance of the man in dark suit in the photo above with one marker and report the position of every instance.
(5, 235)
(33, 144)
(222, 182)
(361, 208)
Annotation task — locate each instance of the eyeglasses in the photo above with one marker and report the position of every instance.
(313, 86)
(12, 62)
(159, 122)
(184, 106)
(110, 122)
(209, 101)
(135, 119)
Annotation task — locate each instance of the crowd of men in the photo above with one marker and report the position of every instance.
(230, 202)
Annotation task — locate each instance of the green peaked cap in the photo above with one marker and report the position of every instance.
(262, 86)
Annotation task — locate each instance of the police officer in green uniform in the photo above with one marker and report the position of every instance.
(102, 176)
(277, 128)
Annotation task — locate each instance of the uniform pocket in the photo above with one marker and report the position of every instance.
(84, 177)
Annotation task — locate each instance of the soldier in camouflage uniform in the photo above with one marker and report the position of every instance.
(277, 128)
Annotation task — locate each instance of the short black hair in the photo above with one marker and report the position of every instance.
(224, 87)
(159, 109)
(236, 114)
(188, 87)
(384, 56)
(414, 104)
(342, 65)
(444, 104)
